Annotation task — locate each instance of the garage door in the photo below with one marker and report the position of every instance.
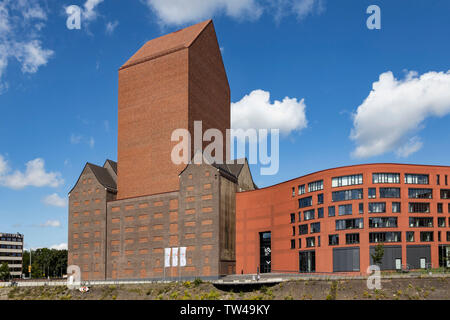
(345, 259)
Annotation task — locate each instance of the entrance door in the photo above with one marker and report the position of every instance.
(265, 252)
(307, 261)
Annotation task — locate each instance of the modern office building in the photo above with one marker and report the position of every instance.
(11, 251)
(331, 221)
(146, 217)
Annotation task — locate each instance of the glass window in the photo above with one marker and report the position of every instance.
(441, 222)
(293, 191)
(372, 193)
(396, 207)
(331, 211)
(344, 195)
(384, 222)
(345, 209)
(320, 213)
(389, 192)
(292, 244)
(419, 207)
(349, 224)
(416, 178)
(299, 216)
(361, 208)
(292, 217)
(310, 242)
(293, 231)
(309, 215)
(305, 202)
(376, 237)
(418, 222)
(333, 239)
(414, 193)
(409, 236)
(352, 238)
(303, 229)
(440, 208)
(315, 227)
(301, 189)
(315, 186)
(320, 198)
(299, 243)
(445, 193)
(386, 177)
(347, 180)
(377, 207)
(426, 236)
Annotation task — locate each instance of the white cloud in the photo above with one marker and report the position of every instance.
(389, 118)
(91, 143)
(51, 224)
(55, 200)
(34, 175)
(20, 24)
(61, 246)
(178, 12)
(256, 111)
(89, 12)
(111, 26)
(75, 139)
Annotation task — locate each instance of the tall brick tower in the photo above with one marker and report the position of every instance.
(169, 83)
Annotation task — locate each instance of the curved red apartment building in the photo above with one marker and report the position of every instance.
(332, 220)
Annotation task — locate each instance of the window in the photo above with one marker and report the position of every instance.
(315, 227)
(438, 179)
(299, 216)
(396, 207)
(446, 180)
(415, 222)
(333, 240)
(315, 186)
(383, 222)
(389, 192)
(355, 194)
(420, 193)
(320, 198)
(419, 207)
(386, 177)
(332, 211)
(310, 242)
(352, 238)
(303, 229)
(448, 236)
(301, 189)
(320, 213)
(309, 215)
(441, 222)
(345, 209)
(361, 208)
(377, 207)
(440, 208)
(347, 180)
(409, 236)
(292, 244)
(426, 236)
(292, 217)
(299, 243)
(416, 178)
(372, 193)
(445, 193)
(439, 236)
(349, 224)
(305, 202)
(293, 231)
(293, 191)
(318, 241)
(375, 237)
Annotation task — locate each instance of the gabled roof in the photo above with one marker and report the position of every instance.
(113, 165)
(103, 176)
(168, 43)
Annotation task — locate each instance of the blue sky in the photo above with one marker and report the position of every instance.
(58, 87)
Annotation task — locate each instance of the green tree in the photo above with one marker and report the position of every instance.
(4, 272)
(378, 255)
(45, 262)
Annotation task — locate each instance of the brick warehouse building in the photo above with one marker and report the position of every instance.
(124, 216)
(331, 221)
